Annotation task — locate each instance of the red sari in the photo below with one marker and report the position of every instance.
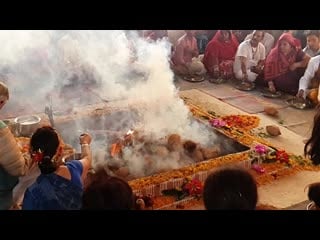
(219, 52)
(277, 65)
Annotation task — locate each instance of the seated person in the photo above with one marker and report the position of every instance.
(313, 43)
(108, 193)
(230, 188)
(186, 50)
(250, 56)
(60, 185)
(12, 162)
(285, 65)
(309, 82)
(219, 54)
(267, 41)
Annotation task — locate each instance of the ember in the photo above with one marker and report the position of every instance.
(135, 153)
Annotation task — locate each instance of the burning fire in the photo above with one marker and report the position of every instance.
(116, 148)
(130, 132)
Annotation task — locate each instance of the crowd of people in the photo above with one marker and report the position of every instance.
(287, 63)
(72, 186)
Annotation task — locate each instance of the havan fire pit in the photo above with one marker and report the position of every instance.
(150, 165)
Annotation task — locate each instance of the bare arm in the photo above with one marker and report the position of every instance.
(304, 62)
(179, 60)
(243, 61)
(86, 155)
(195, 52)
(306, 78)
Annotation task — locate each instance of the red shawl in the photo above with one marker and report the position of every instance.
(277, 63)
(218, 48)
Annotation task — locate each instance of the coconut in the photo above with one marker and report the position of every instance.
(209, 153)
(273, 130)
(271, 111)
(197, 155)
(174, 142)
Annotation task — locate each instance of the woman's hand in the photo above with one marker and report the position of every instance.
(293, 66)
(272, 88)
(300, 94)
(245, 77)
(85, 138)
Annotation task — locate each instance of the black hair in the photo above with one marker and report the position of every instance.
(312, 147)
(263, 32)
(312, 32)
(46, 140)
(314, 193)
(105, 192)
(230, 189)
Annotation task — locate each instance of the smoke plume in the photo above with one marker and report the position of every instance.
(76, 68)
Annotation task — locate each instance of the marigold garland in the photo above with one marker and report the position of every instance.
(237, 127)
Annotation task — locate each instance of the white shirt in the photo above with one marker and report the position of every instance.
(310, 52)
(253, 56)
(267, 41)
(312, 68)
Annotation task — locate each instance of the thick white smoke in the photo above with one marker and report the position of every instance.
(116, 64)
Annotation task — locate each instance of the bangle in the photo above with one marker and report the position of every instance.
(85, 144)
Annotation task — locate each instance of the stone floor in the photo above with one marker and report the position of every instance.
(297, 122)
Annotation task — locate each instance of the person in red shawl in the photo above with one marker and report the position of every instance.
(219, 54)
(285, 65)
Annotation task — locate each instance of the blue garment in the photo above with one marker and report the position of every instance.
(53, 192)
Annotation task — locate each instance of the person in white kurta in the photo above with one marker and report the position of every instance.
(310, 80)
(267, 41)
(313, 44)
(250, 56)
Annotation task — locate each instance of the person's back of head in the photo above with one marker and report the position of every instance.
(105, 192)
(230, 189)
(314, 193)
(44, 145)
